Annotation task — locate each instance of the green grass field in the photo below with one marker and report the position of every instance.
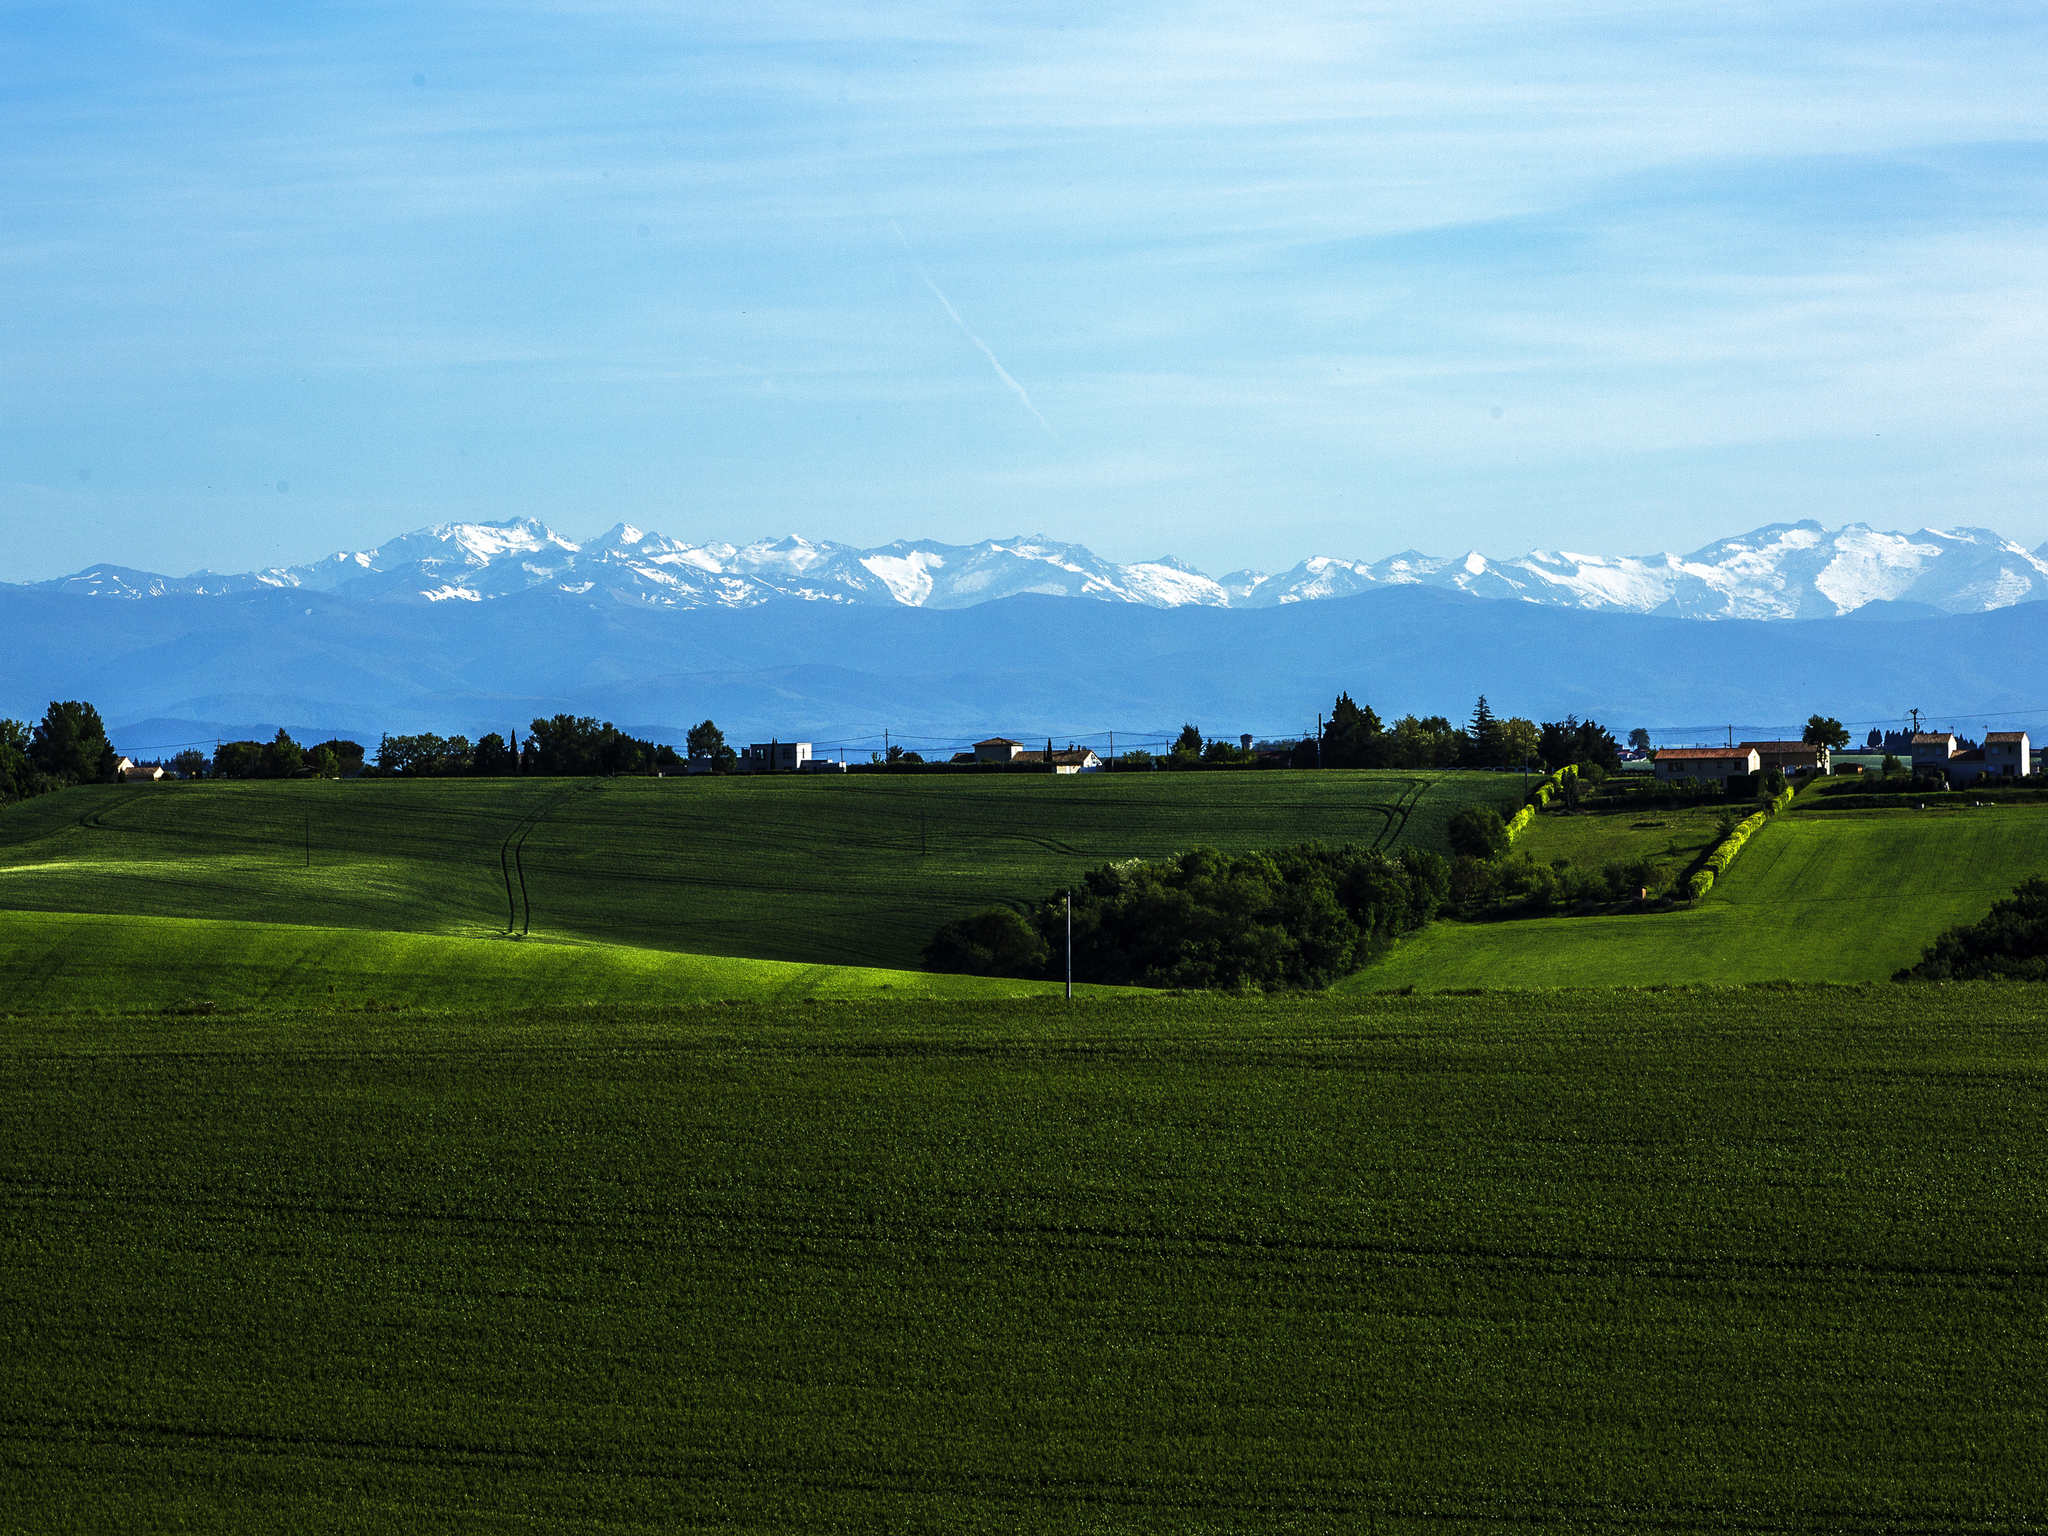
(1721, 1261)
(62, 962)
(857, 870)
(1672, 839)
(1837, 896)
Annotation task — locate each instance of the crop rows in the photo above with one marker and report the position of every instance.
(1713, 1261)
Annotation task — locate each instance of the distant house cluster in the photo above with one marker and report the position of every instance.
(1000, 749)
(1720, 764)
(2004, 755)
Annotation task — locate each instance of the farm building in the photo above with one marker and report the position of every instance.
(997, 749)
(1717, 763)
(775, 756)
(1932, 750)
(2008, 755)
(1073, 760)
(1789, 756)
(128, 771)
(1966, 767)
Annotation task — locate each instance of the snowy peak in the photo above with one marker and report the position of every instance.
(1780, 571)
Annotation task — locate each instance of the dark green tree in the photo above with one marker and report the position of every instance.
(997, 942)
(1482, 736)
(1187, 746)
(707, 740)
(1477, 832)
(17, 774)
(283, 758)
(1825, 731)
(1352, 735)
(1639, 740)
(189, 764)
(71, 744)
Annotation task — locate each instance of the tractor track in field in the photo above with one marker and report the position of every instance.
(512, 862)
(1398, 813)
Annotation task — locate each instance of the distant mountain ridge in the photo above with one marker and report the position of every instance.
(1782, 571)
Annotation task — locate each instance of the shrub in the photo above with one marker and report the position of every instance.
(2010, 942)
(997, 942)
(1478, 832)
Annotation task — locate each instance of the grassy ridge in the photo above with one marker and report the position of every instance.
(1719, 1261)
(855, 870)
(1848, 896)
(58, 962)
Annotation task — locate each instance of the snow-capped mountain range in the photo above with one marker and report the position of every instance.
(1784, 571)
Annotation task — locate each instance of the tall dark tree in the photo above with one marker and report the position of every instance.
(1352, 735)
(71, 744)
(283, 758)
(16, 774)
(1482, 736)
(1187, 746)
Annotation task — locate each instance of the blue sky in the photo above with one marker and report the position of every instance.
(1236, 282)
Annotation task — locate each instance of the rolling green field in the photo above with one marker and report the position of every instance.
(1672, 838)
(856, 870)
(1838, 896)
(1695, 1262)
(63, 962)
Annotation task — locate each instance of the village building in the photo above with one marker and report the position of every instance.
(1791, 757)
(128, 771)
(1932, 751)
(997, 749)
(1718, 764)
(2008, 755)
(775, 756)
(1073, 760)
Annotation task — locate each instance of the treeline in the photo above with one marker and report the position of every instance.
(67, 746)
(2009, 943)
(1354, 737)
(1294, 918)
(560, 746)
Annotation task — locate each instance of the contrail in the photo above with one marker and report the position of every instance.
(954, 315)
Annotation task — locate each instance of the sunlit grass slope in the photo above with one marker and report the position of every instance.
(54, 962)
(853, 870)
(1685, 1262)
(1815, 896)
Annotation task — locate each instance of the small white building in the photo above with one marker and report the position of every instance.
(775, 756)
(1719, 764)
(128, 771)
(2008, 755)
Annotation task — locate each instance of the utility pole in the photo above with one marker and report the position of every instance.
(1070, 945)
(1112, 751)
(1731, 735)
(1319, 739)
(1916, 720)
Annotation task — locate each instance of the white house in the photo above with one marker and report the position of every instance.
(775, 756)
(1717, 763)
(1073, 760)
(128, 771)
(2008, 755)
